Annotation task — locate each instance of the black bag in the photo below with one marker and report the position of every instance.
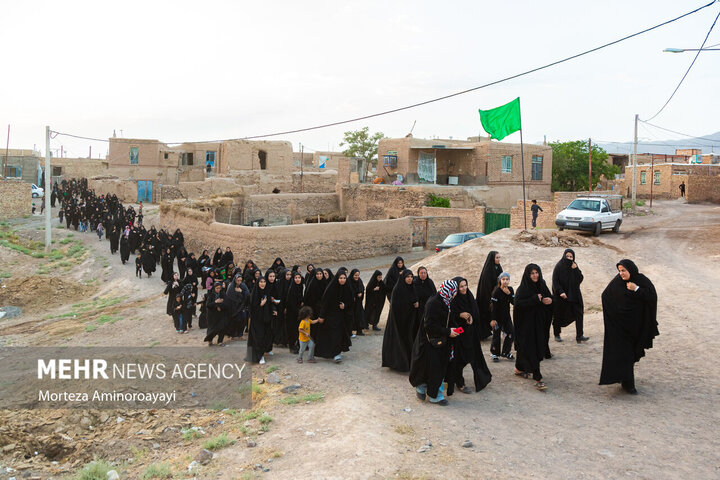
(438, 342)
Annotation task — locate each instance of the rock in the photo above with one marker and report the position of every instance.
(407, 409)
(155, 446)
(9, 447)
(273, 378)
(193, 467)
(261, 381)
(291, 388)
(113, 475)
(119, 419)
(424, 449)
(555, 240)
(250, 443)
(467, 444)
(309, 434)
(606, 453)
(85, 422)
(428, 443)
(104, 417)
(204, 457)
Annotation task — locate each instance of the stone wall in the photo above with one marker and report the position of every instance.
(315, 182)
(471, 219)
(702, 189)
(126, 190)
(440, 227)
(77, 168)
(546, 218)
(288, 208)
(15, 199)
(296, 244)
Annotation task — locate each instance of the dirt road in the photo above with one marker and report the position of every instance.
(369, 424)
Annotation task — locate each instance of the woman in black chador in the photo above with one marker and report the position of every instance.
(402, 324)
(125, 251)
(486, 284)
(172, 288)
(358, 312)
(314, 291)
(567, 297)
(293, 304)
(424, 289)
(466, 347)
(431, 351)
(166, 263)
(217, 314)
(330, 335)
(533, 309)
(238, 296)
(374, 300)
(393, 274)
(261, 313)
(630, 316)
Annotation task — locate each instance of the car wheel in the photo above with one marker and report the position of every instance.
(598, 229)
(561, 228)
(616, 228)
(34, 195)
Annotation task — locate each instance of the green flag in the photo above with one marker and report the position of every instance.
(502, 121)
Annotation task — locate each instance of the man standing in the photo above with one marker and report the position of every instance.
(535, 208)
(682, 190)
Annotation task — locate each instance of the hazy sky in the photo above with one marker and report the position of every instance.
(188, 70)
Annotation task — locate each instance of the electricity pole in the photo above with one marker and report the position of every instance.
(590, 165)
(48, 229)
(634, 175)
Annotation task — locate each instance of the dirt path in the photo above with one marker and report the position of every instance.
(369, 424)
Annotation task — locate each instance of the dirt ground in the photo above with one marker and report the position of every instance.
(359, 420)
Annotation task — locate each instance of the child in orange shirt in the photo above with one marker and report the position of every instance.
(304, 337)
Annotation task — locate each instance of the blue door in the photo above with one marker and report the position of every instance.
(148, 191)
(141, 190)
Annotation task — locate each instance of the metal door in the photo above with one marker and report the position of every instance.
(141, 190)
(148, 191)
(496, 221)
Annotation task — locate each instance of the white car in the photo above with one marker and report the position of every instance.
(589, 214)
(37, 191)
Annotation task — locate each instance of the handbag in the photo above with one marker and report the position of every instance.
(439, 342)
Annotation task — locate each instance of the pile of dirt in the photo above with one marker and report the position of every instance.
(33, 293)
(554, 239)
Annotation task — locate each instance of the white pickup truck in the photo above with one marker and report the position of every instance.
(590, 214)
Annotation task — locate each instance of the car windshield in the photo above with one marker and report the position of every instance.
(454, 238)
(591, 205)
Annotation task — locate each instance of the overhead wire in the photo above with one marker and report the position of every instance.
(433, 100)
(680, 133)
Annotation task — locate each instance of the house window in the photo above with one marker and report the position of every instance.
(642, 178)
(165, 155)
(506, 164)
(537, 164)
(14, 171)
(262, 156)
(56, 171)
(134, 155)
(657, 177)
(186, 158)
(210, 158)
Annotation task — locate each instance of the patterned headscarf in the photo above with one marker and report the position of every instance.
(447, 290)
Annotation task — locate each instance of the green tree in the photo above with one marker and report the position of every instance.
(570, 166)
(361, 144)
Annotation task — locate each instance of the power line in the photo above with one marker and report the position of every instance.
(688, 70)
(426, 102)
(680, 133)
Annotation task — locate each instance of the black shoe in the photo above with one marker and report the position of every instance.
(582, 339)
(442, 403)
(558, 338)
(376, 328)
(420, 396)
(359, 334)
(548, 356)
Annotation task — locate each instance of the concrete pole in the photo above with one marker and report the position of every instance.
(48, 228)
(7, 152)
(634, 175)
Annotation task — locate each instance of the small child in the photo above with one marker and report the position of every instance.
(177, 315)
(138, 267)
(99, 231)
(304, 337)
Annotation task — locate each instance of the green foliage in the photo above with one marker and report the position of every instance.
(361, 144)
(437, 201)
(157, 470)
(95, 470)
(640, 203)
(216, 443)
(271, 369)
(296, 399)
(570, 166)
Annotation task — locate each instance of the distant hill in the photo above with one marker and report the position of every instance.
(708, 144)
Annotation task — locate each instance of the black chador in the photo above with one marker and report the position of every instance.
(393, 274)
(402, 322)
(260, 337)
(486, 284)
(566, 280)
(293, 304)
(217, 314)
(531, 317)
(374, 299)
(331, 336)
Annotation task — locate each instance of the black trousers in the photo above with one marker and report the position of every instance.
(506, 327)
(578, 329)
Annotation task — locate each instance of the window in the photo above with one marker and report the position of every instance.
(186, 158)
(57, 171)
(657, 177)
(643, 178)
(262, 156)
(165, 156)
(134, 155)
(210, 158)
(390, 160)
(506, 164)
(14, 171)
(537, 164)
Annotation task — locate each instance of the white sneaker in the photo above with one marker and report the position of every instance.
(338, 358)
(269, 353)
(262, 361)
(353, 336)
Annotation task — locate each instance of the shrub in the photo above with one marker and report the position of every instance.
(437, 201)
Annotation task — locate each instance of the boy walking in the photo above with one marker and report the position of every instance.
(534, 208)
(304, 337)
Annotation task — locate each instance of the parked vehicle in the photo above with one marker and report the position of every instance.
(455, 239)
(37, 191)
(591, 214)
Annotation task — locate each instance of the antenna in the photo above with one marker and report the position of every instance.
(413, 127)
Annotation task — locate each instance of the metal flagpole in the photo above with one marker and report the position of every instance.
(48, 229)
(522, 161)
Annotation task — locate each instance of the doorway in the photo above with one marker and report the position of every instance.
(262, 155)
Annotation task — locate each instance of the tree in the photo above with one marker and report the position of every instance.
(361, 144)
(570, 166)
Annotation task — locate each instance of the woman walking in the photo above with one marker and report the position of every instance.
(501, 321)
(402, 325)
(630, 317)
(374, 300)
(567, 297)
(486, 284)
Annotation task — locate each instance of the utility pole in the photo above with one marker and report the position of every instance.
(634, 175)
(7, 152)
(302, 160)
(48, 228)
(652, 176)
(589, 165)
(90, 155)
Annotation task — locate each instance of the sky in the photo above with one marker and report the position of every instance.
(191, 71)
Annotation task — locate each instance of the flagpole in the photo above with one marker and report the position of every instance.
(522, 161)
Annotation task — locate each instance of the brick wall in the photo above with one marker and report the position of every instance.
(546, 218)
(289, 207)
(471, 219)
(296, 244)
(15, 199)
(440, 227)
(126, 190)
(702, 189)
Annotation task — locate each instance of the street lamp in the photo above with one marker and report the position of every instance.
(680, 50)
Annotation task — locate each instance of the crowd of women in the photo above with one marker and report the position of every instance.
(431, 334)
